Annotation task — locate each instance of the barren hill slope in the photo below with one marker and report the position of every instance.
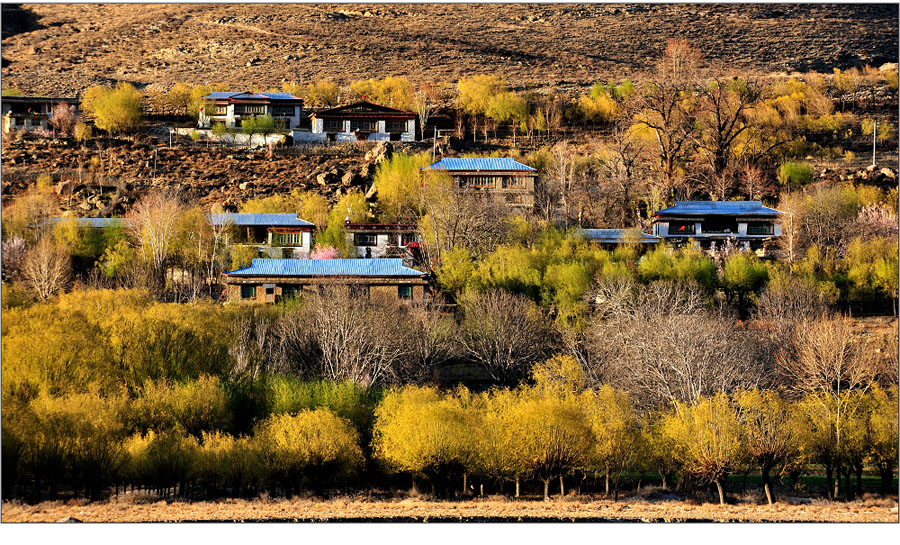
(61, 49)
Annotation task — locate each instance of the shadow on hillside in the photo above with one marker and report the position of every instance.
(17, 20)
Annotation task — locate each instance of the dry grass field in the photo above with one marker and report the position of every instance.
(362, 509)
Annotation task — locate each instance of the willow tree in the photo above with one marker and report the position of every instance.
(707, 434)
(766, 432)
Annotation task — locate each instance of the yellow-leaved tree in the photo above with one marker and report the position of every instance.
(707, 436)
(420, 431)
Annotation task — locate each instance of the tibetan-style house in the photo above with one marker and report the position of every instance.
(359, 121)
(274, 235)
(384, 240)
(230, 108)
(501, 176)
(30, 113)
(713, 223)
(272, 280)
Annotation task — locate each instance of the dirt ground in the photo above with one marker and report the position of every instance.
(347, 509)
(56, 49)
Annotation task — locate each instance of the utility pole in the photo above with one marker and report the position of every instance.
(874, 139)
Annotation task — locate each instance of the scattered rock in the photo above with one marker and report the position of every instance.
(69, 519)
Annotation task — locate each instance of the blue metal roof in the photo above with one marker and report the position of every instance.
(703, 208)
(326, 267)
(97, 223)
(220, 95)
(283, 220)
(617, 236)
(480, 163)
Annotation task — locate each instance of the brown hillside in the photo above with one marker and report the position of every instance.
(61, 49)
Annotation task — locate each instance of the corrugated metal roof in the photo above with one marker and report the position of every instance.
(616, 235)
(326, 267)
(479, 163)
(219, 95)
(97, 223)
(287, 220)
(700, 208)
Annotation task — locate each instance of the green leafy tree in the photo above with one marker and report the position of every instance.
(744, 276)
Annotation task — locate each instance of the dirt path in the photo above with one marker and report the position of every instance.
(415, 510)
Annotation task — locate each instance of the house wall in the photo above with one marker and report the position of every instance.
(379, 135)
(382, 243)
(384, 290)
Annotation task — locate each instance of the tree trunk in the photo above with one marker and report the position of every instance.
(562, 487)
(465, 489)
(828, 481)
(720, 486)
(858, 469)
(767, 485)
(887, 478)
(546, 489)
(517, 487)
(606, 482)
(662, 476)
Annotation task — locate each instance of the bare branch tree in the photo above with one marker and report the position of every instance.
(505, 334)
(154, 222)
(46, 268)
(662, 344)
(63, 118)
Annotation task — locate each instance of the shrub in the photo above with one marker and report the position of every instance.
(798, 174)
(194, 406)
(115, 109)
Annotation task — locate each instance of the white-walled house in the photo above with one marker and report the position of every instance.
(378, 240)
(745, 223)
(359, 121)
(274, 235)
(31, 113)
(230, 108)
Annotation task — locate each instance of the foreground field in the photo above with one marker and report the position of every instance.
(417, 510)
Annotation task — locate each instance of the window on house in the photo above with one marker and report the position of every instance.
(481, 182)
(513, 182)
(364, 239)
(248, 292)
(250, 109)
(405, 292)
(270, 291)
(395, 126)
(289, 239)
(760, 229)
(283, 111)
(407, 238)
(681, 228)
(334, 125)
(359, 290)
(362, 125)
(220, 110)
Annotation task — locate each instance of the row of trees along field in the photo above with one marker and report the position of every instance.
(328, 393)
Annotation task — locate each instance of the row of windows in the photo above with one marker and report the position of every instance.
(283, 111)
(290, 239)
(244, 109)
(337, 125)
(287, 292)
(370, 239)
(689, 228)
